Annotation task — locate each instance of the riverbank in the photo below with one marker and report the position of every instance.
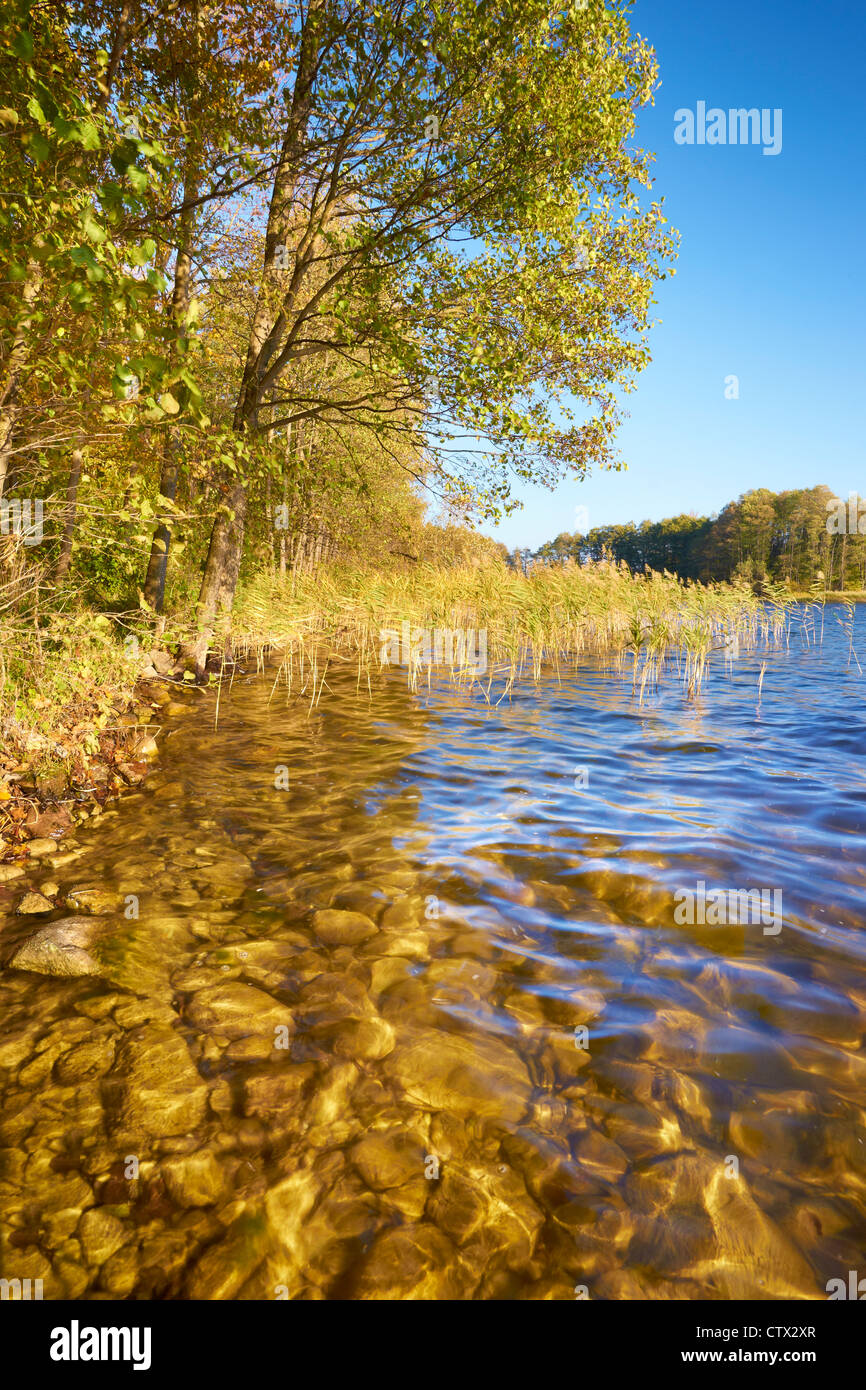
(52, 781)
(838, 596)
(86, 698)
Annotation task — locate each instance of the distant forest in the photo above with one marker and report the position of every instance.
(801, 538)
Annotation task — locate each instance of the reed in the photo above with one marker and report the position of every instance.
(550, 617)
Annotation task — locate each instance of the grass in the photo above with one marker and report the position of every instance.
(63, 674)
(66, 671)
(551, 616)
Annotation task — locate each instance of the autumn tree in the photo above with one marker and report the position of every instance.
(453, 201)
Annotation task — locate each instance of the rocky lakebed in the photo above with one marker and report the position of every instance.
(333, 1006)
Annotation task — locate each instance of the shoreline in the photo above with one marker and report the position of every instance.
(40, 811)
(64, 759)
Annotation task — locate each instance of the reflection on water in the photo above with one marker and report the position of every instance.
(423, 1025)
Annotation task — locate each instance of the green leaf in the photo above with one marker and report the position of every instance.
(140, 255)
(39, 148)
(152, 365)
(137, 178)
(86, 133)
(22, 45)
(92, 228)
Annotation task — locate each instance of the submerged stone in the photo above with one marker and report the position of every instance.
(60, 949)
(466, 1075)
(160, 1090)
(388, 1159)
(236, 1011)
(412, 1262)
(95, 902)
(274, 1094)
(338, 928)
(101, 1234)
(88, 1060)
(194, 1180)
(367, 1039)
(32, 903)
(36, 848)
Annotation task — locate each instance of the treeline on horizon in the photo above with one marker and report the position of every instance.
(801, 538)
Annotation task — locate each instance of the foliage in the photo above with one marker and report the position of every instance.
(763, 538)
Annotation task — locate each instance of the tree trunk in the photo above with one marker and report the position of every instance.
(154, 584)
(227, 537)
(220, 575)
(157, 567)
(69, 518)
(15, 363)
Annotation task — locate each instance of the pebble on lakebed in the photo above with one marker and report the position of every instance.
(33, 902)
(312, 1109)
(60, 949)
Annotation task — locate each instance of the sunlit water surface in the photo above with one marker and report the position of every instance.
(511, 1073)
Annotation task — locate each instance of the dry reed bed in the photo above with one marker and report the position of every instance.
(547, 618)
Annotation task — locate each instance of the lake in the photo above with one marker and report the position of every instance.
(414, 996)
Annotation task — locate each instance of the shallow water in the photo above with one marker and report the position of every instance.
(514, 1074)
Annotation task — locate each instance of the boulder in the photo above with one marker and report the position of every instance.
(162, 661)
(50, 823)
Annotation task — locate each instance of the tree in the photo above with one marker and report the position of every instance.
(527, 158)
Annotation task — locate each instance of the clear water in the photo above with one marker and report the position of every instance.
(519, 1076)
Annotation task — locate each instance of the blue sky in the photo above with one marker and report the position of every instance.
(770, 278)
